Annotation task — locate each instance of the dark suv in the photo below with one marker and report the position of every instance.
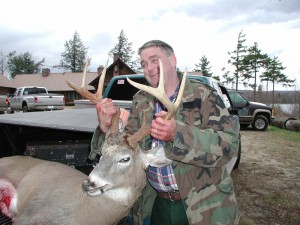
(256, 114)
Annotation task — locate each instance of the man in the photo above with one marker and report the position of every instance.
(200, 139)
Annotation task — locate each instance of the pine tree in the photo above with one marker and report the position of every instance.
(236, 58)
(204, 67)
(273, 72)
(74, 56)
(23, 64)
(3, 63)
(124, 50)
(252, 63)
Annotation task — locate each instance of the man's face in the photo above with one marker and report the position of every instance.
(150, 64)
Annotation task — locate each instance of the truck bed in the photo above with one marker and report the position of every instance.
(73, 128)
(83, 120)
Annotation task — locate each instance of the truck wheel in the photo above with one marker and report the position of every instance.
(260, 123)
(9, 111)
(25, 108)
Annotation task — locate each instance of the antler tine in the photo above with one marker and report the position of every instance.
(82, 90)
(87, 63)
(160, 93)
(101, 80)
(144, 130)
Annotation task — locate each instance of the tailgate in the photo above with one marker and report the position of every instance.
(50, 100)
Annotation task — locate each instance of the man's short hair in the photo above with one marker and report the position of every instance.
(157, 43)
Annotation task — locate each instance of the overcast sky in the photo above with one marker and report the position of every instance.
(192, 27)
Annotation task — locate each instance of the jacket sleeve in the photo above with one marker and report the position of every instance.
(205, 135)
(96, 143)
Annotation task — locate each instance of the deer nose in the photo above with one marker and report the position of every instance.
(87, 185)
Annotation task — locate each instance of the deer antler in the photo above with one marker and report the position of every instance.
(94, 98)
(144, 130)
(160, 93)
(83, 91)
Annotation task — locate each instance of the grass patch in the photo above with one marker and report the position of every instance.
(285, 134)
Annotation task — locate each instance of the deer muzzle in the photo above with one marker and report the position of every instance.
(90, 188)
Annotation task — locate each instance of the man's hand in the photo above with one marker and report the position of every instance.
(163, 129)
(105, 111)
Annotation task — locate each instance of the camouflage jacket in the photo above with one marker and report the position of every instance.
(205, 141)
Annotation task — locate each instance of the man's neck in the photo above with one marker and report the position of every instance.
(171, 85)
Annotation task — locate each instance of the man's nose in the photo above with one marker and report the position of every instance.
(152, 66)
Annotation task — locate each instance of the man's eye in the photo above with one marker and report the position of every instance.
(155, 61)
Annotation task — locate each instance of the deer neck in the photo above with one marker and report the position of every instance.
(124, 195)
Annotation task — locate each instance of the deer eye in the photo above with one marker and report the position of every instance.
(124, 160)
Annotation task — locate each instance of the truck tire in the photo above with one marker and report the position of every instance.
(25, 108)
(10, 111)
(260, 123)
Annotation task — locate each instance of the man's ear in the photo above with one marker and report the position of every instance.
(173, 60)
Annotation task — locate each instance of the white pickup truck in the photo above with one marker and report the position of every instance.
(32, 98)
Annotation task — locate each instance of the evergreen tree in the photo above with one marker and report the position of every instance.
(252, 63)
(124, 50)
(273, 72)
(203, 67)
(74, 56)
(23, 64)
(3, 63)
(236, 58)
(228, 78)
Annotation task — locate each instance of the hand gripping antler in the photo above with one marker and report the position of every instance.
(160, 93)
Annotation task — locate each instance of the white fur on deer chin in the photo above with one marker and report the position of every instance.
(95, 192)
(119, 194)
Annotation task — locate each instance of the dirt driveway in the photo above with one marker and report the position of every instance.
(267, 183)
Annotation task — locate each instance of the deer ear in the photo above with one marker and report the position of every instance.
(155, 157)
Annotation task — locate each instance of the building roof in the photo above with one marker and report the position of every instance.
(5, 82)
(53, 81)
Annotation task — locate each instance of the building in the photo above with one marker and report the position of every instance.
(56, 82)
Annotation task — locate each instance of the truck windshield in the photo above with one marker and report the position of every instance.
(34, 90)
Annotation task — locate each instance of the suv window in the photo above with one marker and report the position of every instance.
(237, 99)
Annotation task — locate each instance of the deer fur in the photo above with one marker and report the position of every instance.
(44, 192)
